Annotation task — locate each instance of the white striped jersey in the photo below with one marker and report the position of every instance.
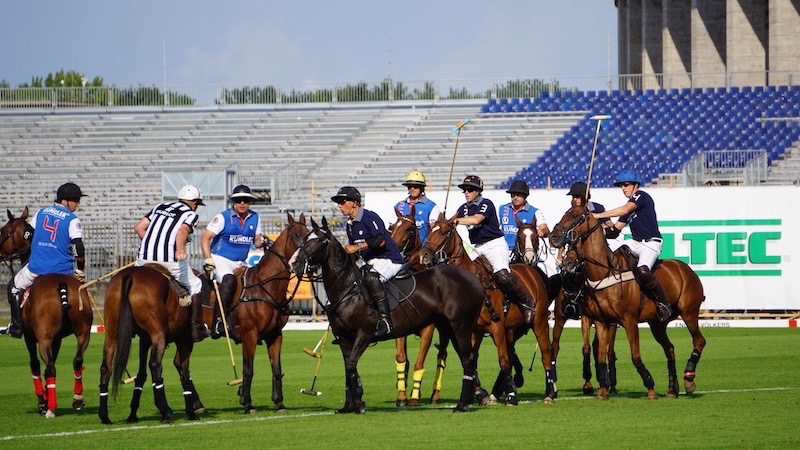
(159, 241)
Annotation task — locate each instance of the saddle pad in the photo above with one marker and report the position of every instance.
(177, 287)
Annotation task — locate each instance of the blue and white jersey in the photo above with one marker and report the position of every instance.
(508, 220)
(234, 235)
(51, 251)
(643, 220)
(489, 228)
(426, 213)
(369, 227)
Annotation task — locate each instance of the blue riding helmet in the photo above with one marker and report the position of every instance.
(627, 176)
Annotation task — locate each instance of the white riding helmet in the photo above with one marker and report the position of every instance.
(191, 193)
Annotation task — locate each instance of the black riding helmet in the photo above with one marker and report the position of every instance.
(347, 193)
(578, 189)
(471, 182)
(519, 187)
(69, 191)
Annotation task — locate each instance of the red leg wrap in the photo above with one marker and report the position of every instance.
(78, 388)
(51, 393)
(37, 385)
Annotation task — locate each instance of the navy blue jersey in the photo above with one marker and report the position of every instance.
(489, 228)
(368, 227)
(643, 220)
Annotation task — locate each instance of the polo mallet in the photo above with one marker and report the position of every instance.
(85, 287)
(457, 130)
(321, 347)
(599, 118)
(236, 380)
(313, 353)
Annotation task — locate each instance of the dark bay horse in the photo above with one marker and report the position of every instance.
(259, 309)
(448, 297)
(505, 325)
(406, 235)
(140, 301)
(567, 287)
(45, 324)
(624, 302)
(15, 240)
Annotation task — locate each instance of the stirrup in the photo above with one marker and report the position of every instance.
(663, 312)
(383, 328)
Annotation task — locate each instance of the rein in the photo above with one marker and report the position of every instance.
(439, 255)
(573, 241)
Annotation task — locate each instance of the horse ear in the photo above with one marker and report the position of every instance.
(441, 217)
(10, 216)
(397, 212)
(314, 225)
(24, 213)
(324, 223)
(289, 218)
(302, 218)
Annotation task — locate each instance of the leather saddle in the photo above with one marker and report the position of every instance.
(631, 259)
(400, 287)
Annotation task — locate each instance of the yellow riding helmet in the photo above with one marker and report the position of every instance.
(415, 178)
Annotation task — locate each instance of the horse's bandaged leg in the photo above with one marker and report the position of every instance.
(415, 390)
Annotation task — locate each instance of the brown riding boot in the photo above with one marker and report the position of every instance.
(653, 289)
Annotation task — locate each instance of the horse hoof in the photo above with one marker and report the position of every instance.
(511, 400)
(413, 402)
(250, 410)
(131, 419)
(690, 387)
(78, 405)
(166, 420)
(50, 414)
(461, 408)
(435, 398)
(192, 417)
(105, 421)
(200, 410)
(672, 395)
(42, 408)
(652, 395)
(490, 400)
(519, 380)
(280, 409)
(613, 390)
(548, 400)
(401, 403)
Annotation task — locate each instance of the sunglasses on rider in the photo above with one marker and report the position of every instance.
(242, 200)
(469, 190)
(625, 184)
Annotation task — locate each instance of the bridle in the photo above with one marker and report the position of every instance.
(439, 255)
(22, 252)
(411, 236)
(572, 238)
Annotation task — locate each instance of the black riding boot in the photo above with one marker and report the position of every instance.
(226, 291)
(199, 330)
(508, 284)
(653, 289)
(373, 284)
(15, 327)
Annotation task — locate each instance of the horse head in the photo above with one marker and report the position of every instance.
(527, 241)
(405, 233)
(443, 242)
(576, 225)
(15, 235)
(311, 252)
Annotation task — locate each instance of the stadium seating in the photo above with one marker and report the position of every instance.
(656, 132)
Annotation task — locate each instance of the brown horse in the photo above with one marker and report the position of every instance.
(260, 310)
(572, 294)
(406, 235)
(141, 301)
(45, 324)
(15, 240)
(505, 323)
(564, 289)
(447, 296)
(624, 302)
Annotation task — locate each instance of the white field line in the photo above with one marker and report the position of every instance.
(326, 413)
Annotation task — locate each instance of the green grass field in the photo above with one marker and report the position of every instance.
(748, 397)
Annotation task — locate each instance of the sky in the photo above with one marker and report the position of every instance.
(300, 42)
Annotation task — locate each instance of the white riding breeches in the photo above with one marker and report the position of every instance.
(224, 266)
(496, 251)
(647, 252)
(384, 267)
